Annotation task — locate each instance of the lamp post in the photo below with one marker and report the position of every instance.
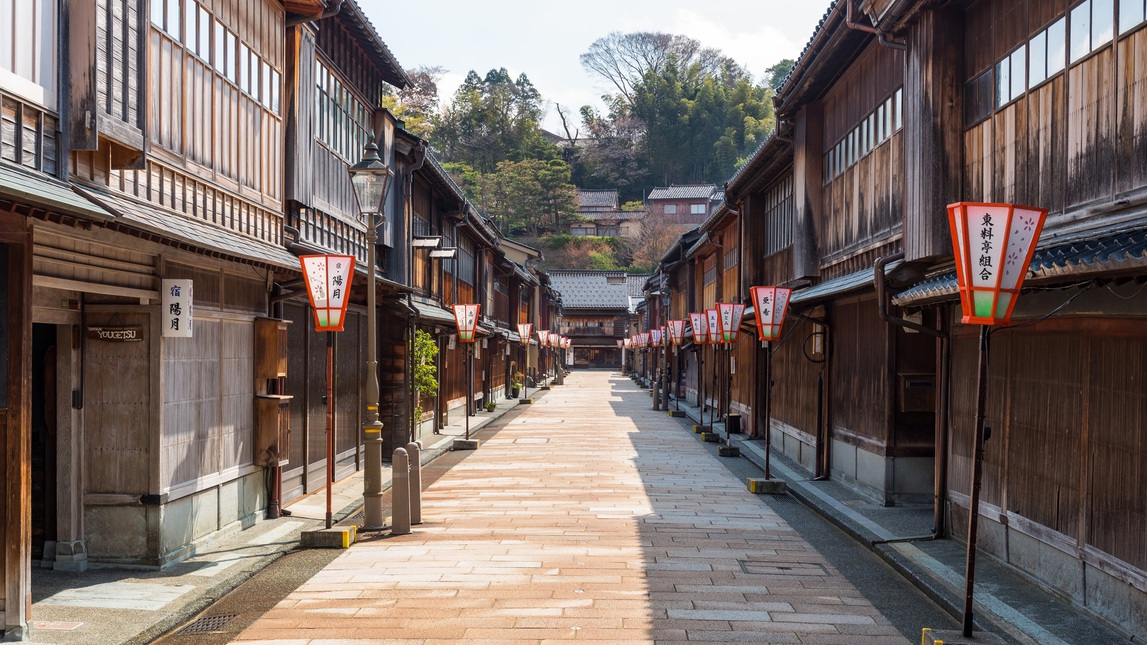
(370, 179)
(713, 325)
(655, 341)
(525, 331)
(700, 336)
(328, 279)
(993, 244)
(769, 305)
(729, 317)
(466, 319)
(676, 337)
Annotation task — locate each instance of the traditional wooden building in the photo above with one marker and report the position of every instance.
(896, 109)
(337, 67)
(594, 306)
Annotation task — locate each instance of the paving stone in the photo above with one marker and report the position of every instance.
(618, 528)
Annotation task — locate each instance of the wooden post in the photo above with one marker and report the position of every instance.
(330, 422)
(977, 475)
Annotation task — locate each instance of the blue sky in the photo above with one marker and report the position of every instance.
(543, 39)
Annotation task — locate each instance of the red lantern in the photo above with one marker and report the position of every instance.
(644, 339)
(524, 331)
(328, 279)
(713, 321)
(994, 244)
(466, 318)
(730, 318)
(700, 328)
(543, 337)
(655, 337)
(676, 332)
(770, 304)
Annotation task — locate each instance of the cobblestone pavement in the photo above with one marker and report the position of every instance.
(591, 518)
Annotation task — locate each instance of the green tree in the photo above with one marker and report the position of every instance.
(425, 370)
(776, 75)
(531, 196)
(417, 104)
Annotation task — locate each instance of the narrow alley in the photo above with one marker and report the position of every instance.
(590, 517)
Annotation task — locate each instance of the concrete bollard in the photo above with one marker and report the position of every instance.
(415, 450)
(400, 493)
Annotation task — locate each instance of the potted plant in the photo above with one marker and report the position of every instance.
(490, 406)
(516, 384)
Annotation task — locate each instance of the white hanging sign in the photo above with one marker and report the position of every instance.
(175, 302)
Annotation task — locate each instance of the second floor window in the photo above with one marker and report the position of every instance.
(671, 209)
(341, 119)
(697, 209)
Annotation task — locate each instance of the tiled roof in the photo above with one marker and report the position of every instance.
(1119, 250)
(690, 191)
(615, 216)
(366, 32)
(194, 233)
(597, 198)
(591, 289)
(802, 59)
(35, 188)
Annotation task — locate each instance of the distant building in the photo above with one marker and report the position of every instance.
(595, 313)
(686, 204)
(600, 214)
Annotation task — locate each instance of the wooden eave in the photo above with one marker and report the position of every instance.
(305, 8)
(830, 53)
(368, 39)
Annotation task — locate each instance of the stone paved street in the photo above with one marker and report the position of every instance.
(589, 517)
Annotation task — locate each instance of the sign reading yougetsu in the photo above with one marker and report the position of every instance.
(175, 302)
(116, 334)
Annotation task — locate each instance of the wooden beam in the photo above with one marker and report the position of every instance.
(808, 168)
(933, 131)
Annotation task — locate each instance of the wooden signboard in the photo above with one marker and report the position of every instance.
(117, 334)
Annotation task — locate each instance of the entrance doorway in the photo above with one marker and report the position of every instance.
(43, 441)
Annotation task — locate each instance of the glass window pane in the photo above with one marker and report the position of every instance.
(266, 93)
(1130, 15)
(1056, 47)
(229, 48)
(275, 82)
(1037, 57)
(190, 36)
(899, 107)
(1019, 64)
(1102, 22)
(173, 18)
(220, 48)
(1080, 31)
(1003, 82)
(157, 13)
(204, 33)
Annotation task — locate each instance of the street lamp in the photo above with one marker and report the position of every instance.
(525, 330)
(729, 316)
(713, 323)
(676, 338)
(994, 244)
(370, 179)
(466, 319)
(770, 304)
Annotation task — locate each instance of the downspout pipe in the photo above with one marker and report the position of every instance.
(881, 37)
(943, 352)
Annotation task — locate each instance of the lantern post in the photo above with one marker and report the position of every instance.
(994, 244)
(525, 331)
(700, 334)
(328, 279)
(370, 179)
(713, 328)
(770, 304)
(655, 341)
(729, 317)
(466, 319)
(677, 337)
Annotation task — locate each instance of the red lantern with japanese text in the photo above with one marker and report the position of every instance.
(994, 244)
(713, 323)
(730, 316)
(524, 331)
(770, 304)
(700, 328)
(466, 319)
(676, 332)
(328, 279)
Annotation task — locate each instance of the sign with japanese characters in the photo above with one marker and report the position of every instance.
(994, 244)
(175, 302)
(328, 279)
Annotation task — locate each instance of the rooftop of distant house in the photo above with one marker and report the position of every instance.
(592, 289)
(685, 191)
(602, 199)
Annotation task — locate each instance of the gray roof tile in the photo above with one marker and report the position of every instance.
(689, 191)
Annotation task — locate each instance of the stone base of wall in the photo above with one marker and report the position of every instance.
(155, 537)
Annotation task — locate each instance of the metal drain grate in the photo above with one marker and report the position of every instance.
(205, 625)
(766, 568)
